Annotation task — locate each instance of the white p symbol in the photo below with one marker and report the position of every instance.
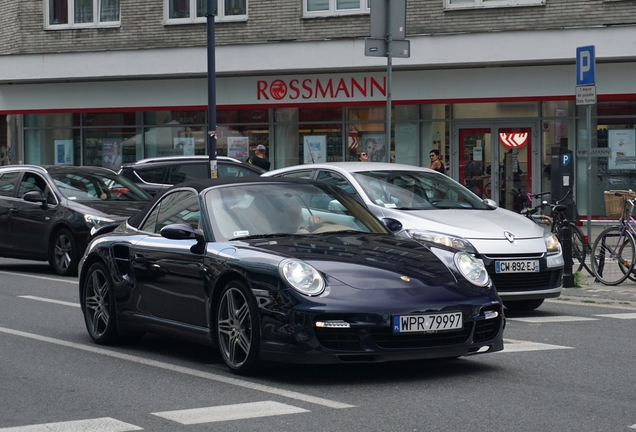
(584, 61)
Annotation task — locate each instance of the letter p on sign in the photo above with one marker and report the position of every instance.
(585, 65)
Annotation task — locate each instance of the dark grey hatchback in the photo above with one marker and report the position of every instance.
(47, 213)
(155, 175)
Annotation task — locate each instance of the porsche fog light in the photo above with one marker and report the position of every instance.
(491, 314)
(472, 268)
(552, 243)
(302, 277)
(333, 324)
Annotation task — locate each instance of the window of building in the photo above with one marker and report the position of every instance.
(321, 8)
(463, 4)
(193, 11)
(81, 13)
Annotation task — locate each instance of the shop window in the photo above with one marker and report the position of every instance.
(240, 141)
(194, 11)
(321, 8)
(81, 13)
(320, 114)
(183, 117)
(464, 4)
(111, 147)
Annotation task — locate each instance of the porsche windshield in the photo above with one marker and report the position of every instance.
(267, 209)
(417, 190)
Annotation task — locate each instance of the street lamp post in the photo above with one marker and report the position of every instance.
(211, 89)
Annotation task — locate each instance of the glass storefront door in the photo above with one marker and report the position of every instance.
(496, 160)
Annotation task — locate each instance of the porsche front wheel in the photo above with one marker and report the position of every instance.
(238, 330)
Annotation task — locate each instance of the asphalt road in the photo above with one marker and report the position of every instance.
(569, 366)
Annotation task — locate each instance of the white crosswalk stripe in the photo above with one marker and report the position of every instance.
(104, 424)
(511, 345)
(229, 412)
(619, 315)
(560, 318)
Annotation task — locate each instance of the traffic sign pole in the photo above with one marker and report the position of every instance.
(586, 85)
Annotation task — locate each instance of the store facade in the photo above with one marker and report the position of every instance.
(495, 126)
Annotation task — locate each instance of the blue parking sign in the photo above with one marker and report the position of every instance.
(585, 65)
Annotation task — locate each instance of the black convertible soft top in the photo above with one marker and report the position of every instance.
(202, 184)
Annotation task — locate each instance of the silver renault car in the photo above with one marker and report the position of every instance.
(524, 261)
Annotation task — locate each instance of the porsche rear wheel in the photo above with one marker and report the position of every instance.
(238, 330)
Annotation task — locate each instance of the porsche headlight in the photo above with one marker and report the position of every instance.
(96, 221)
(302, 277)
(552, 243)
(455, 242)
(472, 268)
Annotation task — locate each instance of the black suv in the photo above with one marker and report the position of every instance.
(157, 174)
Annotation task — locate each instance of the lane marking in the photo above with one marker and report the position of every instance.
(632, 426)
(42, 299)
(619, 315)
(74, 282)
(564, 318)
(104, 424)
(511, 345)
(229, 412)
(183, 370)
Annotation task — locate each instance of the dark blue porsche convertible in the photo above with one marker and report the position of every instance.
(284, 270)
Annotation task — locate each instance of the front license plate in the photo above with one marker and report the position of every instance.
(518, 266)
(427, 323)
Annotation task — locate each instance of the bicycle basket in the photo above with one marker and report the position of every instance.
(615, 205)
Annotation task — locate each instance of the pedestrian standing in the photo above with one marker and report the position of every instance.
(259, 159)
(436, 164)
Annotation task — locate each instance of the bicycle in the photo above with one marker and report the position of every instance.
(556, 221)
(614, 250)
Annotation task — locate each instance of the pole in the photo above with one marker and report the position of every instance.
(211, 89)
(389, 74)
(588, 121)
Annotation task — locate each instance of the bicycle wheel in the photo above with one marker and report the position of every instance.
(579, 250)
(613, 256)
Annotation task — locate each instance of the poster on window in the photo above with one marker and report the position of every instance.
(184, 146)
(63, 152)
(238, 147)
(375, 146)
(111, 154)
(315, 148)
(622, 143)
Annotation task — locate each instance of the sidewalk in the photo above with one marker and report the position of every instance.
(592, 291)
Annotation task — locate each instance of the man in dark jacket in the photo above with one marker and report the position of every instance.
(259, 159)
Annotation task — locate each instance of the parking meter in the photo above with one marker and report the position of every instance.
(562, 181)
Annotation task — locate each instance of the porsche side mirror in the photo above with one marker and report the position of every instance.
(181, 231)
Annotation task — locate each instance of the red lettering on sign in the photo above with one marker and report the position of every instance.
(356, 85)
(376, 84)
(306, 86)
(261, 86)
(323, 91)
(294, 91)
(342, 87)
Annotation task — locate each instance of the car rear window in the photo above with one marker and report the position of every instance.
(153, 175)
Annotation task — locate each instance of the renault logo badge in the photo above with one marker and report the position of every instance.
(510, 236)
(405, 278)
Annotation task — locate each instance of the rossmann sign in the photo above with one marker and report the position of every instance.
(357, 88)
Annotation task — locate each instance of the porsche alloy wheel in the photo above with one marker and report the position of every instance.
(98, 305)
(237, 329)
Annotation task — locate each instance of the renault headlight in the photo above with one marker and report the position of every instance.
(455, 242)
(472, 268)
(552, 243)
(96, 221)
(302, 277)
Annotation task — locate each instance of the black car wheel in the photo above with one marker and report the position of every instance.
(98, 304)
(237, 329)
(523, 305)
(63, 253)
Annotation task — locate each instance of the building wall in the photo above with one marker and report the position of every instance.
(22, 24)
